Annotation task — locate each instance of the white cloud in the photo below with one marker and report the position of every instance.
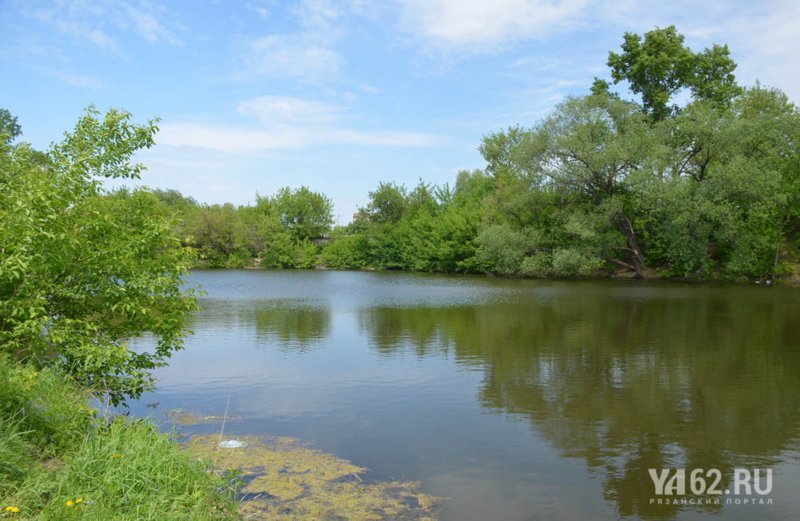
(70, 22)
(478, 25)
(223, 138)
(80, 80)
(95, 23)
(234, 139)
(307, 54)
(285, 123)
(283, 109)
(260, 10)
(368, 89)
(290, 57)
(317, 14)
(149, 27)
(762, 36)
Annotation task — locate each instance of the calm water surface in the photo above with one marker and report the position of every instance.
(516, 399)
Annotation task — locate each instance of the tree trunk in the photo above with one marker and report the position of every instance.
(636, 258)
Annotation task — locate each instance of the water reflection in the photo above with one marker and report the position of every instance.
(627, 379)
(291, 326)
(515, 399)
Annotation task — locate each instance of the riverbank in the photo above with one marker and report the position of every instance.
(60, 460)
(789, 275)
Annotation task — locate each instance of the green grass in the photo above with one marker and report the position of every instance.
(58, 461)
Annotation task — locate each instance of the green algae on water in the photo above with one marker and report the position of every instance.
(286, 480)
(186, 418)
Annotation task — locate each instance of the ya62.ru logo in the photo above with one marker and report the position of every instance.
(707, 482)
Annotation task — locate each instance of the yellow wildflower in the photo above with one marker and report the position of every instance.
(79, 500)
(12, 510)
(70, 503)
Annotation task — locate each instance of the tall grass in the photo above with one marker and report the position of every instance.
(59, 461)
(15, 451)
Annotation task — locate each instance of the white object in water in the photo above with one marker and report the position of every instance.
(232, 444)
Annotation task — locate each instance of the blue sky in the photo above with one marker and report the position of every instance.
(260, 94)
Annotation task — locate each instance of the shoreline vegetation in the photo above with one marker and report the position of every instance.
(601, 187)
(60, 460)
(709, 190)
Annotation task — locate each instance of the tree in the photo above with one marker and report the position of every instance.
(729, 210)
(387, 203)
(82, 271)
(307, 215)
(9, 127)
(660, 65)
(214, 234)
(569, 179)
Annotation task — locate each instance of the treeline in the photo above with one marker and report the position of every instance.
(285, 230)
(603, 185)
(426, 229)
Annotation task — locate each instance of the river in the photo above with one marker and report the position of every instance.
(514, 399)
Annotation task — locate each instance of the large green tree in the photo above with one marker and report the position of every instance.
(659, 65)
(570, 183)
(82, 271)
(729, 199)
(306, 214)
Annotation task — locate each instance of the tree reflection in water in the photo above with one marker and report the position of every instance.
(626, 379)
(289, 326)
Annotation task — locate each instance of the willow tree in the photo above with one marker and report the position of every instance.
(581, 164)
(730, 201)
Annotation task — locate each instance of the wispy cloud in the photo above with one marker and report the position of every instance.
(260, 10)
(477, 25)
(99, 23)
(368, 89)
(308, 54)
(243, 140)
(148, 26)
(80, 80)
(284, 109)
(286, 123)
(317, 14)
(72, 22)
(290, 57)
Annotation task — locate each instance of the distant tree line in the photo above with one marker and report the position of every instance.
(285, 230)
(709, 189)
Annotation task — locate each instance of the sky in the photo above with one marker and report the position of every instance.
(256, 95)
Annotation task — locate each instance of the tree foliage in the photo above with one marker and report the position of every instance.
(81, 270)
(279, 231)
(660, 65)
(9, 127)
(305, 214)
(598, 187)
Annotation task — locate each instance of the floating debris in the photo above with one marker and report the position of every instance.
(283, 479)
(232, 444)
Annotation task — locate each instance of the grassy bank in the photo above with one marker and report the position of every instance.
(59, 460)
